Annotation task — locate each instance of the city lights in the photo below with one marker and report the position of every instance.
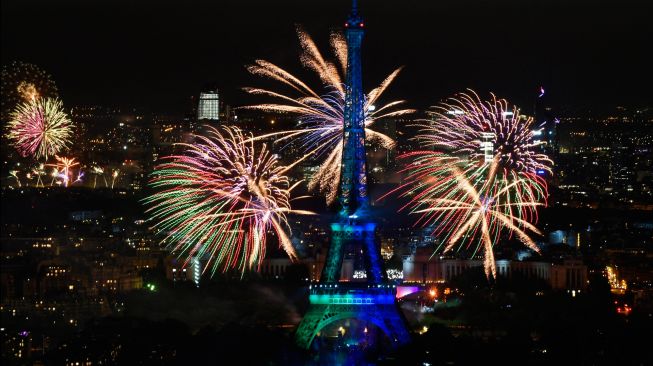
(272, 183)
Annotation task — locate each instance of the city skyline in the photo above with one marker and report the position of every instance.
(586, 55)
(491, 196)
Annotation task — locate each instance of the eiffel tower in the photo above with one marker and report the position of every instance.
(374, 300)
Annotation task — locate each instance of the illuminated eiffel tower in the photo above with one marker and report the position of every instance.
(373, 300)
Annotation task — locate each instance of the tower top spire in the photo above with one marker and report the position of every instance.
(354, 21)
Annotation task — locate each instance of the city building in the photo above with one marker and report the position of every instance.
(209, 106)
(567, 275)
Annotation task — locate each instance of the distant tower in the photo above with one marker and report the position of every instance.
(209, 106)
(374, 300)
(546, 123)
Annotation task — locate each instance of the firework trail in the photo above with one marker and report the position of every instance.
(80, 175)
(114, 176)
(97, 170)
(321, 116)
(54, 174)
(40, 128)
(14, 174)
(219, 199)
(39, 171)
(477, 176)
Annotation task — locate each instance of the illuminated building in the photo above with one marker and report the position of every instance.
(209, 106)
(178, 270)
(568, 275)
(196, 270)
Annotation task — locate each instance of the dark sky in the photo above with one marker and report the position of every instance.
(157, 53)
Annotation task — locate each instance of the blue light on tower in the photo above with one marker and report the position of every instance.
(353, 180)
(374, 299)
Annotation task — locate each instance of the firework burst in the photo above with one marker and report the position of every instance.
(218, 200)
(40, 128)
(489, 133)
(470, 207)
(478, 177)
(467, 126)
(321, 116)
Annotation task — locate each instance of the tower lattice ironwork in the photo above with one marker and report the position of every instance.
(330, 299)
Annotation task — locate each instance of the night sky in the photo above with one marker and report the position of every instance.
(156, 54)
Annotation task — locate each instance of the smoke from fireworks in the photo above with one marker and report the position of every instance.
(321, 116)
(27, 90)
(40, 128)
(219, 198)
(483, 182)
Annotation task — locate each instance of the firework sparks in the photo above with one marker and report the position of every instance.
(40, 128)
(219, 199)
(485, 180)
(27, 90)
(63, 169)
(321, 116)
(24, 82)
